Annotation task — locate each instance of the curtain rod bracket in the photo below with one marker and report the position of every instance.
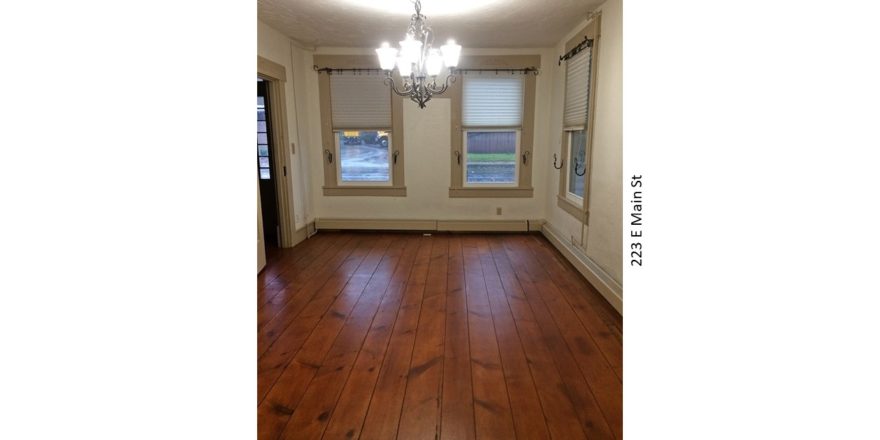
(588, 42)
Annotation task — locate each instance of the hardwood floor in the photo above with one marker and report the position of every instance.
(450, 336)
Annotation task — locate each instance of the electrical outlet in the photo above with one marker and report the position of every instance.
(498, 211)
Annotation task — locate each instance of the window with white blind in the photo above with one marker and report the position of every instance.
(361, 115)
(576, 122)
(362, 146)
(577, 97)
(492, 119)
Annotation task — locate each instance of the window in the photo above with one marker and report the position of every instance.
(492, 119)
(577, 152)
(363, 156)
(361, 129)
(491, 157)
(574, 177)
(361, 111)
(493, 127)
(262, 140)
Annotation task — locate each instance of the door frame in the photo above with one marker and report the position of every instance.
(275, 77)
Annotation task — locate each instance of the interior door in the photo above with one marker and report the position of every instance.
(261, 246)
(266, 169)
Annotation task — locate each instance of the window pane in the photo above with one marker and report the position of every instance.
(264, 173)
(491, 156)
(261, 126)
(363, 155)
(263, 150)
(261, 114)
(264, 162)
(262, 138)
(577, 159)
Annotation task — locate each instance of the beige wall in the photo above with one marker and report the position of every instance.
(603, 239)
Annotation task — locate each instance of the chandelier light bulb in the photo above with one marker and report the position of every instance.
(387, 56)
(451, 52)
(404, 66)
(411, 49)
(434, 64)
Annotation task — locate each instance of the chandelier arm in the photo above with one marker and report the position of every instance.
(450, 79)
(389, 81)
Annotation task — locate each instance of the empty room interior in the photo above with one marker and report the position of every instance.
(440, 219)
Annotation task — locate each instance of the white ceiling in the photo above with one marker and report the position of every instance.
(473, 23)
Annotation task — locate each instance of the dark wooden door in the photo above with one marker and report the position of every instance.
(265, 168)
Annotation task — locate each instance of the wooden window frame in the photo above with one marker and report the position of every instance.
(523, 188)
(332, 187)
(582, 213)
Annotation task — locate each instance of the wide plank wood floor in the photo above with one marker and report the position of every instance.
(450, 336)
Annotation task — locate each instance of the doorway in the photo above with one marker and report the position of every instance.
(266, 171)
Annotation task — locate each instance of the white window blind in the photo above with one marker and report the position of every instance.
(492, 101)
(577, 89)
(360, 101)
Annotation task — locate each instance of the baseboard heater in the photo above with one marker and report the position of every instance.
(431, 225)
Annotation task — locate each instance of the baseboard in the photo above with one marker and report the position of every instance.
(536, 225)
(483, 225)
(432, 225)
(607, 287)
(381, 225)
(303, 233)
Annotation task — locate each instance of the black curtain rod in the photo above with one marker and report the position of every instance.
(576, 50)
(523, 70)
(330, 70)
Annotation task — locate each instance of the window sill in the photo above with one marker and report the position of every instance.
(374, 191)
(569, 207)
(491, 192)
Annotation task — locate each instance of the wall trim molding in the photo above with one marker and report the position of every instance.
(376, 191)
(431, 225)
(607, 287)
(491, 192)
(376, 224)
(271, 70)
(275, 76)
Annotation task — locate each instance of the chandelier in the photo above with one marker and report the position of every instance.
(417, 62)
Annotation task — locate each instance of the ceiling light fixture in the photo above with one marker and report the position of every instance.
(416, 61)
